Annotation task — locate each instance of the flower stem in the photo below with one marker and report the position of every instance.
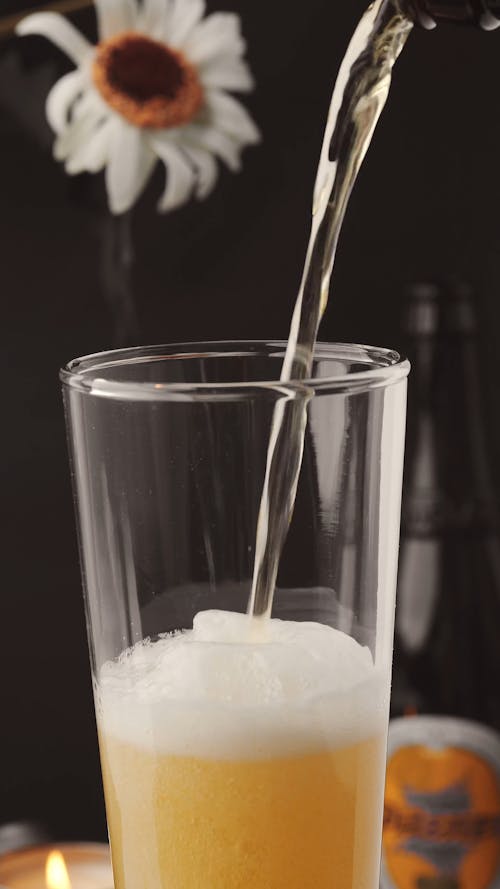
(117, 260)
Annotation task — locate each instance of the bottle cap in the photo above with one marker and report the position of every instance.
(421, 315)
(443, 309)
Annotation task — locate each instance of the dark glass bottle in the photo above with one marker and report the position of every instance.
(484, 13)
(442, 814)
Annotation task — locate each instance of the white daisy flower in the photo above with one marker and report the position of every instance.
(154, 88)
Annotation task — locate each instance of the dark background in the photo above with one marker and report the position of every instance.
(426, 205)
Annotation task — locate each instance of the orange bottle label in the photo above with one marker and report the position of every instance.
(442, 806)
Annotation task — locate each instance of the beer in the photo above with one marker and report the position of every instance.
(229, 763)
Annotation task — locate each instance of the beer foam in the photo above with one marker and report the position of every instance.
(214, 691)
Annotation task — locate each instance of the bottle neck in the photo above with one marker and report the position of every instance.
(447, 469)
(482, 13)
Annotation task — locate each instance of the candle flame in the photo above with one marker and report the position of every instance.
(56, 872)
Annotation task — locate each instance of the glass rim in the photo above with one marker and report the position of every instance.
(81, 374)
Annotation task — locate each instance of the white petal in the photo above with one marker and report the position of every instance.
(90, 100)
(219, 34)
(152, 18)
(92, 154)
(206, 169)
(227, 73)
(230, 116)
(216, 142)
(57, 29)
(76, 133)
(184, 16)
(115, 17)
(61, 97)
(130, 165)
(180, 174)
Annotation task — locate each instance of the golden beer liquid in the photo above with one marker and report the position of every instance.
(308, 821)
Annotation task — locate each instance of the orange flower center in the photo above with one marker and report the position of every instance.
(147, 82)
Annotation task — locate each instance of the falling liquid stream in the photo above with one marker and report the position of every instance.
(358, 99)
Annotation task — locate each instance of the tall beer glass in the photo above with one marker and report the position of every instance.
(233, 758)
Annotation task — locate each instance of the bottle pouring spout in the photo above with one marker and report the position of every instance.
(429, 13)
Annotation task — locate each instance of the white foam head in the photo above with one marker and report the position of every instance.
(212, 691)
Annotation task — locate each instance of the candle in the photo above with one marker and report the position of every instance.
(65, 866)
